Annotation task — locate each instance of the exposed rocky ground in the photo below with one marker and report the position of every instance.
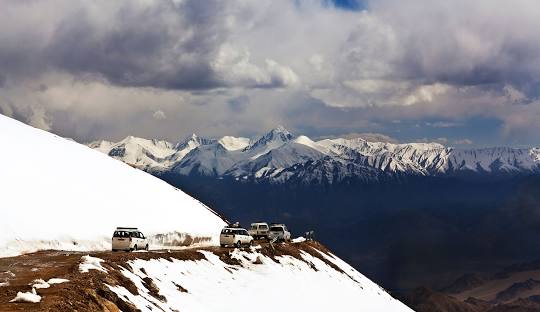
(515, 288)
(121, 281)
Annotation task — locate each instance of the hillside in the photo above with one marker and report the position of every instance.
(301, 276)
(58, 194)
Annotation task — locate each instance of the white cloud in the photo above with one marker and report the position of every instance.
(463, 142)
(39, 119)
(441, 140)
(159, 115)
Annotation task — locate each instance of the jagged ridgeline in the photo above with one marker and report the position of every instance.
(279, 157)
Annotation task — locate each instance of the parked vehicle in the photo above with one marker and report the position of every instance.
(235, 236)
(259, 230)
(279, 232)
(128, 239)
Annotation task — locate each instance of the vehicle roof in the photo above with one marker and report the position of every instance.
(233, 228)
(259, 223)
(127, 229)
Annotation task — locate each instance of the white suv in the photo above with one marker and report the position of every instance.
(128, 239)
(235, 236)
(279, 232)
(259, 230)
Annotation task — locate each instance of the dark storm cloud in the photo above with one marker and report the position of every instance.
(162, 44)
(129, 55)
(138, 46)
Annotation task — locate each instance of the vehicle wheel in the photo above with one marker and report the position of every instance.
(238, 244)
(222, 245)
(135, 248)
(146, 247)
(251, 243)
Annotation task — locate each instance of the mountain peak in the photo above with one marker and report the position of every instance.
(190, 138)
(274, 138)
(280, 129)
(279, 132)
(193, 141)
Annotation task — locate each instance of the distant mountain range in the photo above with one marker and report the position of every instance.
(279, 156)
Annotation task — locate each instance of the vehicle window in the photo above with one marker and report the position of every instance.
(142, 235)
(254, 227)
(121, 234)
(244, 232)
(276, 229)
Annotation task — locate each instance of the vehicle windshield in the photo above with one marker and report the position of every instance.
(276, 229)
(121, 234)
(254, 227)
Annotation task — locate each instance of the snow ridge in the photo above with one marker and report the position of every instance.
(279, 156)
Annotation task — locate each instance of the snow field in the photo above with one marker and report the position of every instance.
(58, 194)
(258, 282)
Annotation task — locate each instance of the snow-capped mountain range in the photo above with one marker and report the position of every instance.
(279, 156)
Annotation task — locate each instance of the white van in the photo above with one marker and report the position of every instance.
(235, 236)
(259, 230)
(128, 239)
(279, 232)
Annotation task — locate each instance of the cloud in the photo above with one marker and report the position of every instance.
(159, 115)
(234, 67)
(164, 44)
(442, 141)
(443, 124)
(93, 69)
(239, 104)
(463, 142)
(39, 119)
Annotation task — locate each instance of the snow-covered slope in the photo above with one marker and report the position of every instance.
(59, 194)
(303, 279)
(279, 156)
(234, 143)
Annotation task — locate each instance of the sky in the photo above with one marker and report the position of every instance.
(462, 73)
